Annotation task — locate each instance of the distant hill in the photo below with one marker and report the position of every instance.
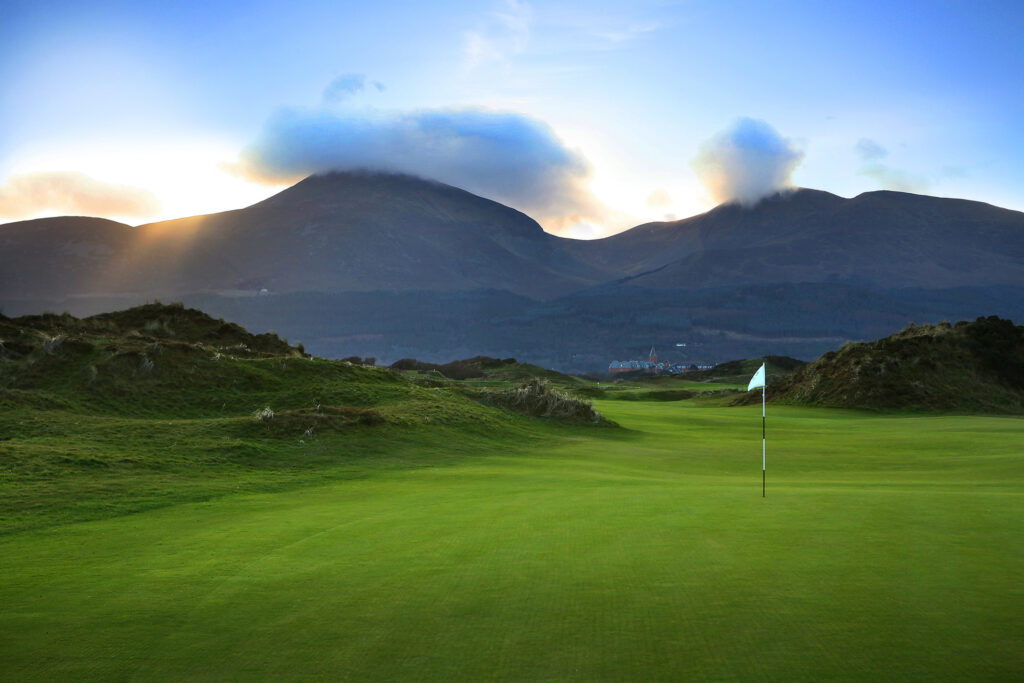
(156, 405)
(161, 359)
(150, 360)
(334, 232)
(55, 258)
(392, 266)
(877, 239)
(349, 232)
(971, 366)
(150, 322)
(740, 371)
(487, 368)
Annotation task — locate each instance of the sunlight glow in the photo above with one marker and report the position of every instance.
(192, 177)
(186, 176)
(625, 189)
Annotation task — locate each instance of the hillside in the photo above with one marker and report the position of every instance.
(651, 246)
(153, 321)
(55, 258)
(740, 371)
(140, 408)
(486, 369)
(968, 367)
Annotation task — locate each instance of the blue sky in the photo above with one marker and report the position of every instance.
(590, 117)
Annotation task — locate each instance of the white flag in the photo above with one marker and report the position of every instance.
(758, 379)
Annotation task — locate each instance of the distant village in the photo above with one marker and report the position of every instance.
(653, 366)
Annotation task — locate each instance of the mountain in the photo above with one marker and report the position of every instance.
(53, 258)
(651, 246)
(878, 239)
(392, 266)
(346, 232)
(336, 232)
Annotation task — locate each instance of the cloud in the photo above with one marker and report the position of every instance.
(747, 162)
(894, 179)
(869, 150)
(504, 156)
(346, 86)
(343, 87)
(631, 31)
(33, 194)
(503, 34)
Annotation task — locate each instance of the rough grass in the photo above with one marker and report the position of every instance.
(740, 371)
(486, 370)
(970, 367)
(310, 421)
(459, 369)
(94, 424)
(539, 399)
(156, 321)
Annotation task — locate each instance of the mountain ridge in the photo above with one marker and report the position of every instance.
(337, 232)
(375, 231)
(390, 266)
(880, 238)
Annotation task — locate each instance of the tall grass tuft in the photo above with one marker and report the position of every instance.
(539, 399)
(264, 415)
(52, 344)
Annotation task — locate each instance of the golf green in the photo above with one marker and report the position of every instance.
(888, 547)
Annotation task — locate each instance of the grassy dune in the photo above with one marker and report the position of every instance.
(889, 547)
(156, 405)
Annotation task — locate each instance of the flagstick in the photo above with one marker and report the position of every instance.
(760, 379)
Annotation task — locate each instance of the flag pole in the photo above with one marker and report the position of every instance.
(760, 379)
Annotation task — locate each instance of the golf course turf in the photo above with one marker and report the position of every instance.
(888, 547)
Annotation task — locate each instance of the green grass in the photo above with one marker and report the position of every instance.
(889, 547)
(87, 431)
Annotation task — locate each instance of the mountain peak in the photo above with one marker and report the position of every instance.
(798, 198)
(398, 199)
(324, 186)
(362, 177)
(348, 231)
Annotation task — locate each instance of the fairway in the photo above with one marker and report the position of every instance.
(888, 547)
